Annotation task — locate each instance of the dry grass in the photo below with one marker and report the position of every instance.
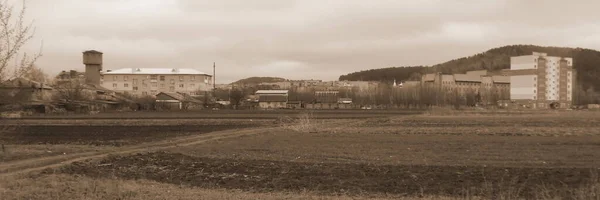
(19, 152)
(52, 187)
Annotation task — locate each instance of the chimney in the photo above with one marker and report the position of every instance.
(92, 60)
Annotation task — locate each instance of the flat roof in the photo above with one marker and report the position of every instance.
(271, 92)
(157, 71)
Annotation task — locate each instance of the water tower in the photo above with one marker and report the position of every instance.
(92, 60)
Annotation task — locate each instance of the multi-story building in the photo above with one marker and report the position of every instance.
(477, 82)
(151, 81)
(541, 81)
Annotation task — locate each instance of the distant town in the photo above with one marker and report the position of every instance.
(535, 81)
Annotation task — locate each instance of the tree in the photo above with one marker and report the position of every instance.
(235, 97)
(35, 74)
(14, 34)
(71, 90)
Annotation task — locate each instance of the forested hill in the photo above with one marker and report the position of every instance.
(585, 61)
(257, 80)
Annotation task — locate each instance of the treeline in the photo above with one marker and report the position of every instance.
(585, 61)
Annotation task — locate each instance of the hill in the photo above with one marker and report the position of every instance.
(257, 80)
(585, 61)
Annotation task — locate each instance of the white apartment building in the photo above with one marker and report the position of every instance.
(151, 81)
(542, 80)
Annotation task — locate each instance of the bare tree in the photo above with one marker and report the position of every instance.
(72, 90)
(14, 34)
(35, 74)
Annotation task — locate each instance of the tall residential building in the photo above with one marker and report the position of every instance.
(151, 81)
(541, 81)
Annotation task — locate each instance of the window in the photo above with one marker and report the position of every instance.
(534, 91)
(114, 78)
(153, 77)
(535, 78)
(135, 88)
(180, 78)
(154, 84)
(172, 88)
(144, 93)
(162, 85)
(114, 85)
(162, 78)
(181, 85)
(125, 78)
(192, 78)
(126, 85)
(135, 81)
(144, 81)
(153, 91)
(534, 66)
(172, 81)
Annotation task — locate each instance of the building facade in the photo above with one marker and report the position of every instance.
(272, 99)
(151, 81)
(489, 87)
(541, 81)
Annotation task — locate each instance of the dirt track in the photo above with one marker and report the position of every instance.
(36, 164)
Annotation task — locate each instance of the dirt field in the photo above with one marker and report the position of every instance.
(491, 157)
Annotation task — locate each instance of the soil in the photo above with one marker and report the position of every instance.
(331, 178)
(105, 134)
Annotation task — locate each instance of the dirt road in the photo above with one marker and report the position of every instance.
(36, 164)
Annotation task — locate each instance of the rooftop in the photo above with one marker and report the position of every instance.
(155, 71)
(271, 92)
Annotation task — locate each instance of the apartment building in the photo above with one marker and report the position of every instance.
(151, 81)
(541, 81)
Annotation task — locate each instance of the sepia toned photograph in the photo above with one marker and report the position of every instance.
(299, 99)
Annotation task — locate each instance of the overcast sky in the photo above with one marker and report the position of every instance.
(304, 39)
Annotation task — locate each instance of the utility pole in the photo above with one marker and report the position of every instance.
(214, 76)
(214, 81)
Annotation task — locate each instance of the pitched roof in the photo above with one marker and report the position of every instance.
(155, 71)
(501, 79)
(180, 97)
(258, 92)
(467, 78)
(25, 83)
(428, 77)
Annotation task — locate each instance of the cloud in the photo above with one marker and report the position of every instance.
(299, 38)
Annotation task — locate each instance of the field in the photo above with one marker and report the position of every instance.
(323, 155)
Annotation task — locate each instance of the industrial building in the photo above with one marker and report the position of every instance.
(272, 99)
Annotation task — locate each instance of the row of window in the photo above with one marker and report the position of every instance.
(153, 85)
(157, 77)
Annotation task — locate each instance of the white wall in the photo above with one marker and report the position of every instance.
(522, 87)
(523, 62)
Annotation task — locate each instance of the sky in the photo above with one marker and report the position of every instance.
(304, 39)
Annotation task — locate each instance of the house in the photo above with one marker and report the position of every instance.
(25, 92)
(176, 100)
(272, 99)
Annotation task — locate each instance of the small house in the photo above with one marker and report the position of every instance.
(272, 99)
